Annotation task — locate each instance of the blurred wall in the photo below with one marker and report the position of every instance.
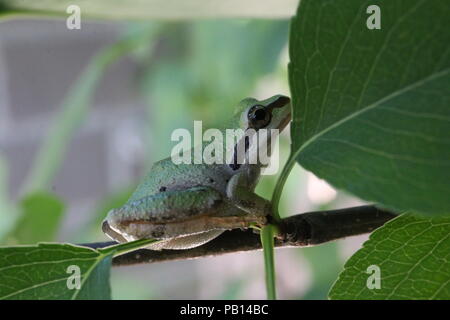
(39, 62)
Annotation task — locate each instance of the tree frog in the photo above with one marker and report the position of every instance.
(187, 205)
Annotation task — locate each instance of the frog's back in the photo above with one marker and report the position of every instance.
(168, 176)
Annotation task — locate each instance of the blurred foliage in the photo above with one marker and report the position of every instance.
(126, 287)
(152, 9)
(91, 230)
(326, 265)
(75, 108)
(233, 289)
(41, 214)
(8, 212)
(50, 156)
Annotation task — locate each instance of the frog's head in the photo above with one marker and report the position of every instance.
(272, 113)
(251, 116)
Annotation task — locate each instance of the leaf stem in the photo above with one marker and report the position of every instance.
(267, 240)
(279, 188)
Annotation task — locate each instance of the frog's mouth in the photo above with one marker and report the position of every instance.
(285, 121)
(281, 112)
(111, 233)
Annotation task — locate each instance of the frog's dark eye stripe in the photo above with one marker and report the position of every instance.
(235, 165)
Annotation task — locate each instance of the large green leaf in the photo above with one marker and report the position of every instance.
(413, 257)
(59, 271)
(371, 108)
(42, 272)
(160, 9)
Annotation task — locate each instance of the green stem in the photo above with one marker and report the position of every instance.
(267, 240)
(279, 187)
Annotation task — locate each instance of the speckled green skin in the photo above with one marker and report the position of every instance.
(187, 205)
(187, 175)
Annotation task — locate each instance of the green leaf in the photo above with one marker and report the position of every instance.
(413, 257)
(40, 219)
(42, 272)
(267, 240)
(59, 271)
(160, 9)
(371, 107)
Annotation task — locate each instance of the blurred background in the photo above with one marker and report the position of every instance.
(84, 114)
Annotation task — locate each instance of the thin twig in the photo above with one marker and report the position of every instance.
(301, 230)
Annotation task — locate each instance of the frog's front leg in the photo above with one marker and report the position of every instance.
(240, 190)
(181, 218)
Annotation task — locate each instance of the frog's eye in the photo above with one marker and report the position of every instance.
(258, 117)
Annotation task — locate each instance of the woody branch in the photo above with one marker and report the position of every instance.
(301, 230)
